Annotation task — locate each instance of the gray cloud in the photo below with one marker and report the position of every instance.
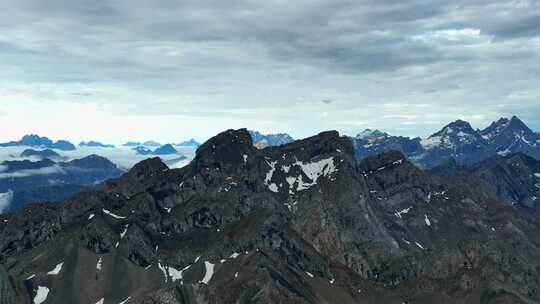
(251, 59)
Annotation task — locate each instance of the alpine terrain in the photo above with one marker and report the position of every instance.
(302, 222)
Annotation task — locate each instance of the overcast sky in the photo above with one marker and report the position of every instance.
(170, 70)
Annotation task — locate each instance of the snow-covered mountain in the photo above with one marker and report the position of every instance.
(372, 142)
(512, 135)
(265, 140)
(457, 140)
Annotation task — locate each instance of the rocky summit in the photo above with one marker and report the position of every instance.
(303, 222)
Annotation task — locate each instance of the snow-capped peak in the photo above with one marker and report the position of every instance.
(453, 135)
(367, 133)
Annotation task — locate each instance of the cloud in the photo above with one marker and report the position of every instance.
(216, 65)
(5, 200)
(31, 172)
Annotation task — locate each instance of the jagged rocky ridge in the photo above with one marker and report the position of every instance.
(457, 140)
(299, 223)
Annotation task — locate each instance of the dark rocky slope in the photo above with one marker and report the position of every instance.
(299, 223)
(513, 179)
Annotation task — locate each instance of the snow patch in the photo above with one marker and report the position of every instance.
(537, 175)
(272, 186)
(41, 295)
(419, 245)
(112, 214)
(309, 274)
(101, 301)
(99, 264)
(124, 232)
(90, 216)
(162, 268)
(209, 272)
(404, 211)
(426, 219)
(56, 269)
(177, 274)
(431, 142)
(504, 152)
(313, 170)
(234, 255)
(125, 301)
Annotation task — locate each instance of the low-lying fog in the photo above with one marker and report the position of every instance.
(123, 157)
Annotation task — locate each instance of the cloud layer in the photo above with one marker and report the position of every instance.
(171, 70)
(5, 200)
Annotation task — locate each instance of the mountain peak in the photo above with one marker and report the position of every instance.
(165, 150)
(228, 148)
(264, 140)
(367, 133)
(458, 125)
(516, 123)
(147, 167)
(34, 140)
(93, 161)
(189, 143)
(454, 136)
(510, 135)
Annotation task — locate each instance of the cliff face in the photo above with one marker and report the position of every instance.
(298, 223)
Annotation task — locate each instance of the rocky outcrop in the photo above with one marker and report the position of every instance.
(299, 223)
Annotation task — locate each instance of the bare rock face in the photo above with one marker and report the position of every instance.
(297, 223)
(7, 291)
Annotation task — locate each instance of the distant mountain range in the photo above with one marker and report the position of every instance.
(33, 140)
(95, 144)
(166, 149)
(148, 143)
(47, 153)
(188, 143)
(458, 140)
(46, 180)
(261, 140)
